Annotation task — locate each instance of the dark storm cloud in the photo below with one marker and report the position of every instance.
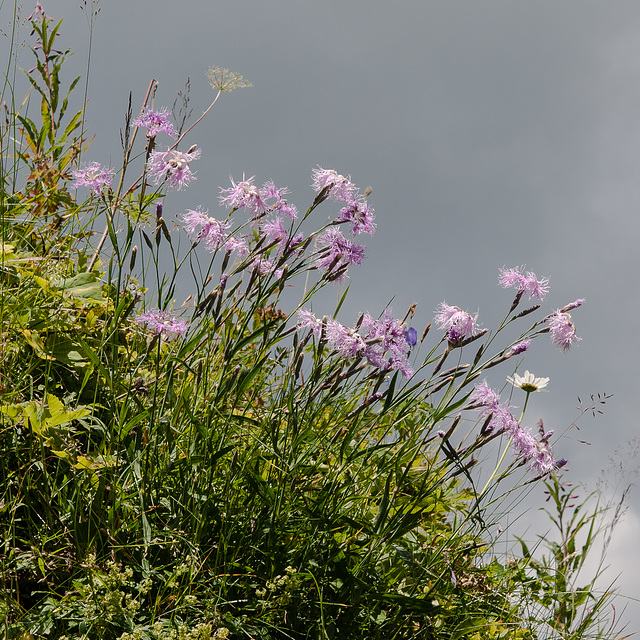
(492, 133)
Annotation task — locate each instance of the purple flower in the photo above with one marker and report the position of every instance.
(380, 341)
(360, 214)
(269, 191)
(173, 166)
(459, 324)
(155, 122)
(387, 346)
(239, 245)
(257, 201)
(244, 194)
(572, 305)
(306, 319)
(563, 331)
(94, 176)
(275, 231)
(528, 283)
(266, 267)
(162, 322)
(489, 402)
(339, 253)
(519, 348)
(345, 340)
(483, 394)
(341, 188)
(411, 336)
(211, 230)
(535, 452)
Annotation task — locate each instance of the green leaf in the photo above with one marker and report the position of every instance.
(83, 286)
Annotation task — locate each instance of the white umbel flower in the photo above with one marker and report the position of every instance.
(528, 382)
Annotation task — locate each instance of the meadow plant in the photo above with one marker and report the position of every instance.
(246, 465)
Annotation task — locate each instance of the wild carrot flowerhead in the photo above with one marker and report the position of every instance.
(225, 80)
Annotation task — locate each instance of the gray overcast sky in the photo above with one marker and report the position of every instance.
(493, 133)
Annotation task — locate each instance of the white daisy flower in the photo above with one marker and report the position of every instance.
(528, 382)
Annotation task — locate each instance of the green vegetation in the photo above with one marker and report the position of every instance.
(240, 477)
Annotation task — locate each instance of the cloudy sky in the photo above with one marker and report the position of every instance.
(492, 133)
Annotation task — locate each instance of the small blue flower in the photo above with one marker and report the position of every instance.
(411, 336)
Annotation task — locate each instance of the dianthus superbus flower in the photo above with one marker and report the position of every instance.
(94, 176)
(239, 245)
(381, 342)
(243, 194)
(489, 405)
(519, 348)
(307, 319)
(537, 453)
(360, 214)
(387, 346)
(525, 282)
(162, 322)
(266, 268)
(173, 166)
(341, 188)
(155, 122)
(246, 194)
(459, 324)
(211, 230)
(340, 254)
(563, 331)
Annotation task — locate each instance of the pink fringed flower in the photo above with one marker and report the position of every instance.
(458, 324)
(257, 201)
(339, 254)
(155, 122)
(563, 331)
(525, 282)
(162, 322)
(360, 214)
(200, 225)
(387, 345)
(489, 402)
(94, 176)
(340, 188)
(537, 453)
(381, 342)
(173, 166)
